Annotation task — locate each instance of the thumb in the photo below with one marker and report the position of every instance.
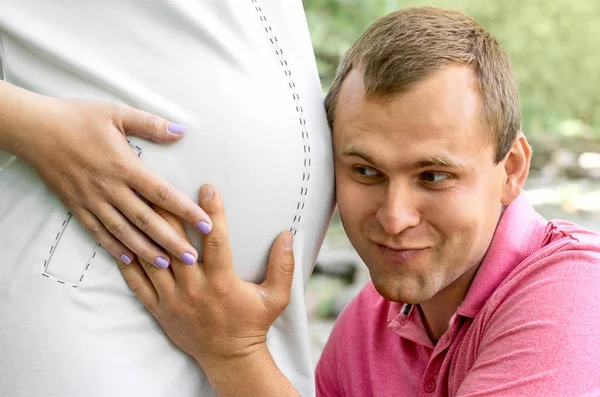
(150, 126)
(280, 272)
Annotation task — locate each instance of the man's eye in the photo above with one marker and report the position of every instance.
(365, 171)
(433, 177)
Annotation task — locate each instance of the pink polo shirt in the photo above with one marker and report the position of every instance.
(529, 325)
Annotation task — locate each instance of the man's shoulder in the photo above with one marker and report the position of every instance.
(561, 232)
(566, 264)
(565, 245)
(539, 323)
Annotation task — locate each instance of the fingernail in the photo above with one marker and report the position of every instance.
(288, 242)
(175, 128)
(161, 262)
(188, 258)
(125, 259)
(204, 227)
(207, 192)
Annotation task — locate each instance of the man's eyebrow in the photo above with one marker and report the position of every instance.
(353, 151)
(440, 161)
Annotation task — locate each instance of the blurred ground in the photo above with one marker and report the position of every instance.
(564, 184)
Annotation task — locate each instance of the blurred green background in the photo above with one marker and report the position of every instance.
(554, 47)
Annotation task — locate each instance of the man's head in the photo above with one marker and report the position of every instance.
(428, 149)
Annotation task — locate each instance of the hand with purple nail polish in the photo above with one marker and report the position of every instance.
(212, 314)
(84, 158)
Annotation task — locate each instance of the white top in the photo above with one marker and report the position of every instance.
(242, 76)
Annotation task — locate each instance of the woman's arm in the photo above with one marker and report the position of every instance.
(79, 150)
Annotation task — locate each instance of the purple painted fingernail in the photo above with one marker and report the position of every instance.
(175, 128)
(125, 259)
(188, 258)
(161, 262)
(204, 227)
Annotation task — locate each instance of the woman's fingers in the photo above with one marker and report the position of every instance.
(137, 122)
(145, 218)
(140, 284)
(120, 227)
(186, 275)
(215, 245)
(104, 237)
(162, 280)
(160, 192)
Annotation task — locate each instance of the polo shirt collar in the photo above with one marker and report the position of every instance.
(519, 234)
(405, 320)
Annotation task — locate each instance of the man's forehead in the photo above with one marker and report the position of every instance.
(446, 98)
(429, 124)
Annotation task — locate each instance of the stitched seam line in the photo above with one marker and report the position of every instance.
(63, 227)
(307, 158)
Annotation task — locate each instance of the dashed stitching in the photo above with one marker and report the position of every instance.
(63, 227)
(299, 110)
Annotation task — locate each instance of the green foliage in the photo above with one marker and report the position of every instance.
(554, 47)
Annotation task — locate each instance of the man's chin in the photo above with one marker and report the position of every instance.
(399, 291)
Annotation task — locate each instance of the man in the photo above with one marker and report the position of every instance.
(472, 294)
(241, 76)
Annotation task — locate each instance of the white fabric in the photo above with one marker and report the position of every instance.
(242, 76)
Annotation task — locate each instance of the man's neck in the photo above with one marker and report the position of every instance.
(437, 311)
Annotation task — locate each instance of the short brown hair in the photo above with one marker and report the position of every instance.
(401, 49)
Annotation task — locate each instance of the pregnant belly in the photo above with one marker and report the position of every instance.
(69, 324)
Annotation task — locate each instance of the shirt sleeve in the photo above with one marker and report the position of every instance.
(542, 338)
(326, 374)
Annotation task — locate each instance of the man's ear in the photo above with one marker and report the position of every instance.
(516, 167)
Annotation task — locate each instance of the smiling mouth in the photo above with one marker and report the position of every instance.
(400, 255)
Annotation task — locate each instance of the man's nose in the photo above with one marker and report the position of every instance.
(399, 209)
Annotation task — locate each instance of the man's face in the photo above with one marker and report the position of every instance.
(418, 191)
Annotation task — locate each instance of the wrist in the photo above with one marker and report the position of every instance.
(254, 374)
(217, 366)
(21, 119)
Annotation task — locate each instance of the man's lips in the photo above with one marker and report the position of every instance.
(400, 254)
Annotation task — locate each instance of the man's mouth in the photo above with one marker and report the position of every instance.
(400, 253)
